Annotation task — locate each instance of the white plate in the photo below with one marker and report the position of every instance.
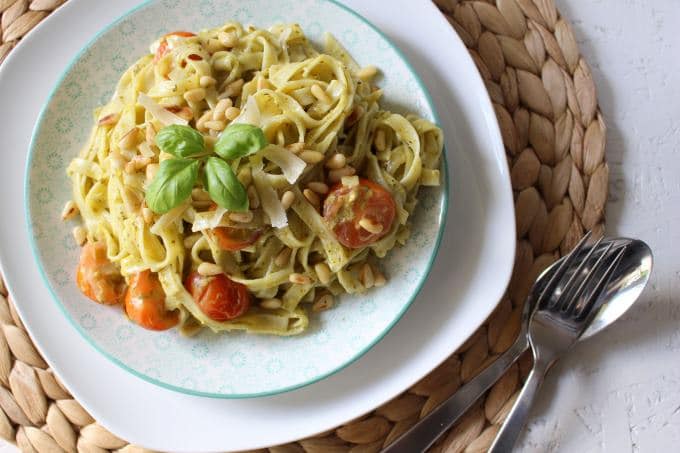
(234, 364)
(468, 279)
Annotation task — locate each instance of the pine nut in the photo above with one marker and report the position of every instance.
(70, 210)
(195, 95)
(287, 199)
(367, 73)
(318, 187)
(312, 197)
(378, 278)
(232, 113)
(192, 239)
(241, 217)
(209, 269)
(271, 304)
(151, 171)
(245, 176)
(220, 108)
(324, 302)
(321, 94)
(253, 198)
(80, 235)
(336, 161)
(200, 122)
(130, 139)
(370, 226)
(109, 119)
(234, 88)
(147, 214)
(296, 148)
(283, 257)
(366, 276)
(311, 157)
(215, 125)
(337, 175)
(229, 40)
(299, 279)
(207, 81)
(379, 140)
(323, 272)
(262, 83)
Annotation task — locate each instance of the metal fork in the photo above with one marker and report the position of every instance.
(562, 315)
(424, 433)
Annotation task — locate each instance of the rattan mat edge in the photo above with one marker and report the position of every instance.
(545, 101)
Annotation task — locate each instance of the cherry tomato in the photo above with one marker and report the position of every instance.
(145, 303)
(346, 209)
(220, 298)
(234, 239)
(97, 277)
(163, 46)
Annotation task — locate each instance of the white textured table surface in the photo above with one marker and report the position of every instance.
(620, 392)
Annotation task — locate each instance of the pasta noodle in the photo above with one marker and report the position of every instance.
(321, 117)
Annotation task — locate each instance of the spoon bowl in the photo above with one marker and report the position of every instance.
(625, 286)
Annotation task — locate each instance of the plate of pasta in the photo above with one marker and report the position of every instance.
(237, 199)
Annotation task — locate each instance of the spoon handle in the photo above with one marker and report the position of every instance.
(424, 433)
(514, 423)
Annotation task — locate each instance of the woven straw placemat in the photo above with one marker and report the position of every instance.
(544, 97)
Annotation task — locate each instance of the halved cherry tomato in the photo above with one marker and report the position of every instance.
(97, 277)
(234, 239)
(367, 203)
(163, 46)
(145, 303)
(220, 298)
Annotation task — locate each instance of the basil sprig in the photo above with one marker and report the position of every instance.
(223, 185)
(176, 177)
(172, 184)
(240, 140)
(180, 141)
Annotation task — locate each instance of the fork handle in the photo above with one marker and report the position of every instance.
(517, 418)
(424, 433)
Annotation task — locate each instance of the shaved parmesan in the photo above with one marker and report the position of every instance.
(163, 115)
(291, 165)
(250, 113)
(208, 220)
(269, 200)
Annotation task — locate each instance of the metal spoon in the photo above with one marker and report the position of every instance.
(629, 279)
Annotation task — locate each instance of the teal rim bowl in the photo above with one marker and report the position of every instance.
(227, 365)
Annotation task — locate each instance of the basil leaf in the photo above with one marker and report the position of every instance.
(240, 140)
(180, 141)
(172, 184)
(223, 186)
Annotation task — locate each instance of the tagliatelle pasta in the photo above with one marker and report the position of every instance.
(186, 228)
